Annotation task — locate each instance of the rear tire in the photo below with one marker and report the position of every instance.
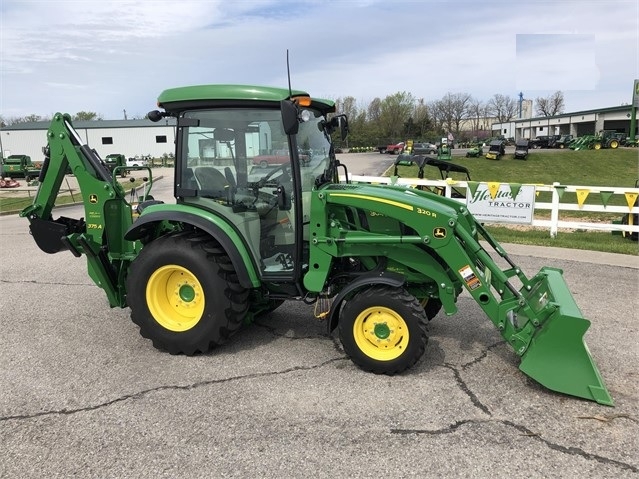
(383, 329)
(431, 306)
(184, 294)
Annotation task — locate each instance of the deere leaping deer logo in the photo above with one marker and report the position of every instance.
(93, 199)
(439, 233)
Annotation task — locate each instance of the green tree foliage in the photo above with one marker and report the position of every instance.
(86, 116)
(394, 113)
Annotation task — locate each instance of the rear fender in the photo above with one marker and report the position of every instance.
(217, 227)
(374, 277)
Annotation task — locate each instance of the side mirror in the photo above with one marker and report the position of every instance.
(343, 127)
(289, 117)
(224, 135)
(155, 115)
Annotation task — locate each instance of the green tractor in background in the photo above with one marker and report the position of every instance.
(475, 151)
(378, 261)
(605, 139)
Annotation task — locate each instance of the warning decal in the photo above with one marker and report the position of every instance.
(469, 277)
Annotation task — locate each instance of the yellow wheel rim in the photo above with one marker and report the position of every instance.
(175, 298)
(597, 146)
(614, 144)
(381, 333)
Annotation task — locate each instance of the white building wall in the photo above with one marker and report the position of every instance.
(130, 142)
(137, 141)
(28, 142)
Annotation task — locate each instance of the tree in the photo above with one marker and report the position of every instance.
(551, 105)
(86, 116)
(451, 110)
(394, 113)
(502, 107)
(422, 118)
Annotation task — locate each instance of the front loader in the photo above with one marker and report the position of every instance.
(377, 261)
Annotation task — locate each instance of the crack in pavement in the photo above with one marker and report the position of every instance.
(483, 354)
(572, 451)
(188, 387)
(464, 387)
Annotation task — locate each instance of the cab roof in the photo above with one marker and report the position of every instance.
(195, 96)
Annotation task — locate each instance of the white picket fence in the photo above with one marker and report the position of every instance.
(556, 205)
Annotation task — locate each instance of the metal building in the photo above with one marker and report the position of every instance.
(132, 138)
(577, 124)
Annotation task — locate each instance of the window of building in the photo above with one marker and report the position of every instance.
(160, 139)
(107, 140)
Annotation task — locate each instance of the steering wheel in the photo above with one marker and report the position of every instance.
(284, 168)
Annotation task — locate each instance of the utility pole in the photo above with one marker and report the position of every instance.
(633, 110)
(521, 101)
(124, 114)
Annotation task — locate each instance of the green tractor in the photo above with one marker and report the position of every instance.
(378, 261)
(607, 139)
(475, 151)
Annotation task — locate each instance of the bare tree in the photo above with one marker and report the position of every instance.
(23, 119)
(476, 110)
(502, 107)
(551, 105)
(451, 110)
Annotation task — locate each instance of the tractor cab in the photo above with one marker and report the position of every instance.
(253, 164)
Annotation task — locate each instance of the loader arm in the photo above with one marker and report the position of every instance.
(99, 235)
(434, 243)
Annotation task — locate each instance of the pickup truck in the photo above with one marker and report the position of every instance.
(392, 149)
(20, 166)
(114, 160)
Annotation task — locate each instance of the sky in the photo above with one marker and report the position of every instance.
(112, 56)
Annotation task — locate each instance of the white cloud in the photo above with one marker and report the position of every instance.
(122, 54)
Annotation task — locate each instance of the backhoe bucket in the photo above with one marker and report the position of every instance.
(557, 356)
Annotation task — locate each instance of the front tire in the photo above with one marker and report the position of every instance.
(383, 330)
(184, 294)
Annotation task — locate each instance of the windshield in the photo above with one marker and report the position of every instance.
(314, 147)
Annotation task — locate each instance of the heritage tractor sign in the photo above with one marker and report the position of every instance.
(502, 202)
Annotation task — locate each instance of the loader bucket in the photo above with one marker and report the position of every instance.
(557, 356)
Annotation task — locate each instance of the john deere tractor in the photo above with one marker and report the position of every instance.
(377, 261)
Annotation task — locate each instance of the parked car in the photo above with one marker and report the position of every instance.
(545, 141)
(424, 149)
(397, 148)
(136, 162)
(265, 161)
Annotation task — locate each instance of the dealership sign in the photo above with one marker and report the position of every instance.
(501, 202)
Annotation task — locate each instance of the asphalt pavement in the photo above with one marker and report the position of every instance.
(82, 394)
